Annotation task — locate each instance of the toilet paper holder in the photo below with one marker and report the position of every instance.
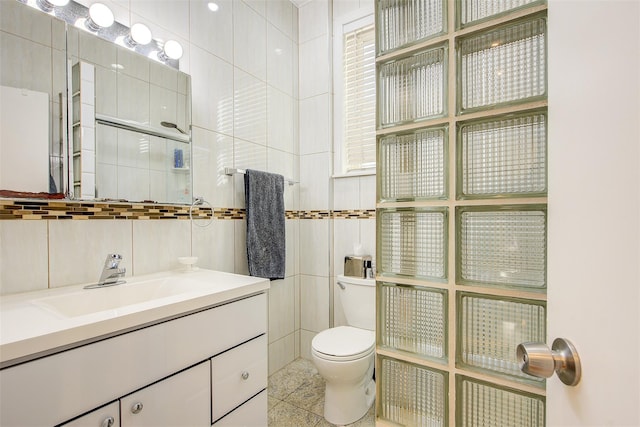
(535, 358)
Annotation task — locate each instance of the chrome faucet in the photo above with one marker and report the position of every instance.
(110, 272)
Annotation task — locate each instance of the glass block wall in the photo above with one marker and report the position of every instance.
(415, 164)
(413, 242)
(412, 88)
(484, 400)
(414, 395)
(413, 319)
(462, 210)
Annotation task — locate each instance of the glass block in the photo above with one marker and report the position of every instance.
(403, 22)
(412, 395)
(413, 166)
(503, 157)
(413, 242)
(413, 319)
(504, 65)
(490, 329)
(483, 404)
(412, 88)
(470, 11)
(77, 169)
(77, 138)
(502, 246)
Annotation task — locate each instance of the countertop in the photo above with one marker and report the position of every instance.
(32, 325)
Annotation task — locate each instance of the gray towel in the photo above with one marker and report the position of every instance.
(264, 195)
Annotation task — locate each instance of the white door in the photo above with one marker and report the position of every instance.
(594, 216)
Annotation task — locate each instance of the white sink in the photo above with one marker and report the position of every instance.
(40, 322)
(112, 298)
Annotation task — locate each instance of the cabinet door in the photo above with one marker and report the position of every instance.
(183, 399)
(106, 416)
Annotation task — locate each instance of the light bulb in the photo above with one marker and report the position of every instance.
(138, 34)
(172, 50)
(100, 16)
(48, 5)
(213, 7)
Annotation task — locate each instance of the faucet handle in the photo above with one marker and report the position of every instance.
(112, 261)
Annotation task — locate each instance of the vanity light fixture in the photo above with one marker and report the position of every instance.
(48, 5)
(139, 34)
(100, 16)
(100, 20)
(172, 50)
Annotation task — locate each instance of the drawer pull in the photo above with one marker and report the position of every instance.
(136, 407)
(245, 375)
(108, 422)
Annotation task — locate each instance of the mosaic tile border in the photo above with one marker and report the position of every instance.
(65, 210)
(355, 214)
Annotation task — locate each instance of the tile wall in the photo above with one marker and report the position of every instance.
(315, 168)
(325, 242)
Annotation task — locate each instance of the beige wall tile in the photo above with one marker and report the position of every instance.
(23, 256)
(77, 249)
(158, 244)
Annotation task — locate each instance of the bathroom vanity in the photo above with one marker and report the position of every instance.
(172, 349)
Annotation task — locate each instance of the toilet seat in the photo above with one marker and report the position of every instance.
(344, 343)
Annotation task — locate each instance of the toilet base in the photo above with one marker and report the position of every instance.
(346, 405)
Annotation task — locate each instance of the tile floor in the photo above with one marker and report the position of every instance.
(296, 398)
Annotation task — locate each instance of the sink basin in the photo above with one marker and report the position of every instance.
(38, 323)
(88, 301)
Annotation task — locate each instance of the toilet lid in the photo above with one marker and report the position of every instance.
(344, 341)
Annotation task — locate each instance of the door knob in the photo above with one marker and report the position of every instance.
(537, 359)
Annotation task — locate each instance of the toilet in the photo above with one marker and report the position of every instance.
(345, 355)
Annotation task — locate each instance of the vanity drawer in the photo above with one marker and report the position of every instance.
(252, 414)
(237, 375)
(101, 417)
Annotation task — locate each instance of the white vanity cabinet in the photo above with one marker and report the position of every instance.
(165, 366)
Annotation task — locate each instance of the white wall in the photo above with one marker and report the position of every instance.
(315, 168)
(325, 242)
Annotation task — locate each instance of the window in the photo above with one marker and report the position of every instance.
(355, 103)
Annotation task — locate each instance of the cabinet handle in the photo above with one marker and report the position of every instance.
(108, 422)
(245, 375)
(136, 407)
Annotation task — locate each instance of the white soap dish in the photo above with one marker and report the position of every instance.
(189, 262)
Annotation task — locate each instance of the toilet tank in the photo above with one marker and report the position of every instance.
(358, 297)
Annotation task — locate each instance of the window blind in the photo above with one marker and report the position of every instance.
(359, 139)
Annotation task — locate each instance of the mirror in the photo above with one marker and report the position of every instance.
(129, 119)
(32, 101)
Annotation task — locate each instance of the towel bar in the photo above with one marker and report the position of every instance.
(233, 171)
